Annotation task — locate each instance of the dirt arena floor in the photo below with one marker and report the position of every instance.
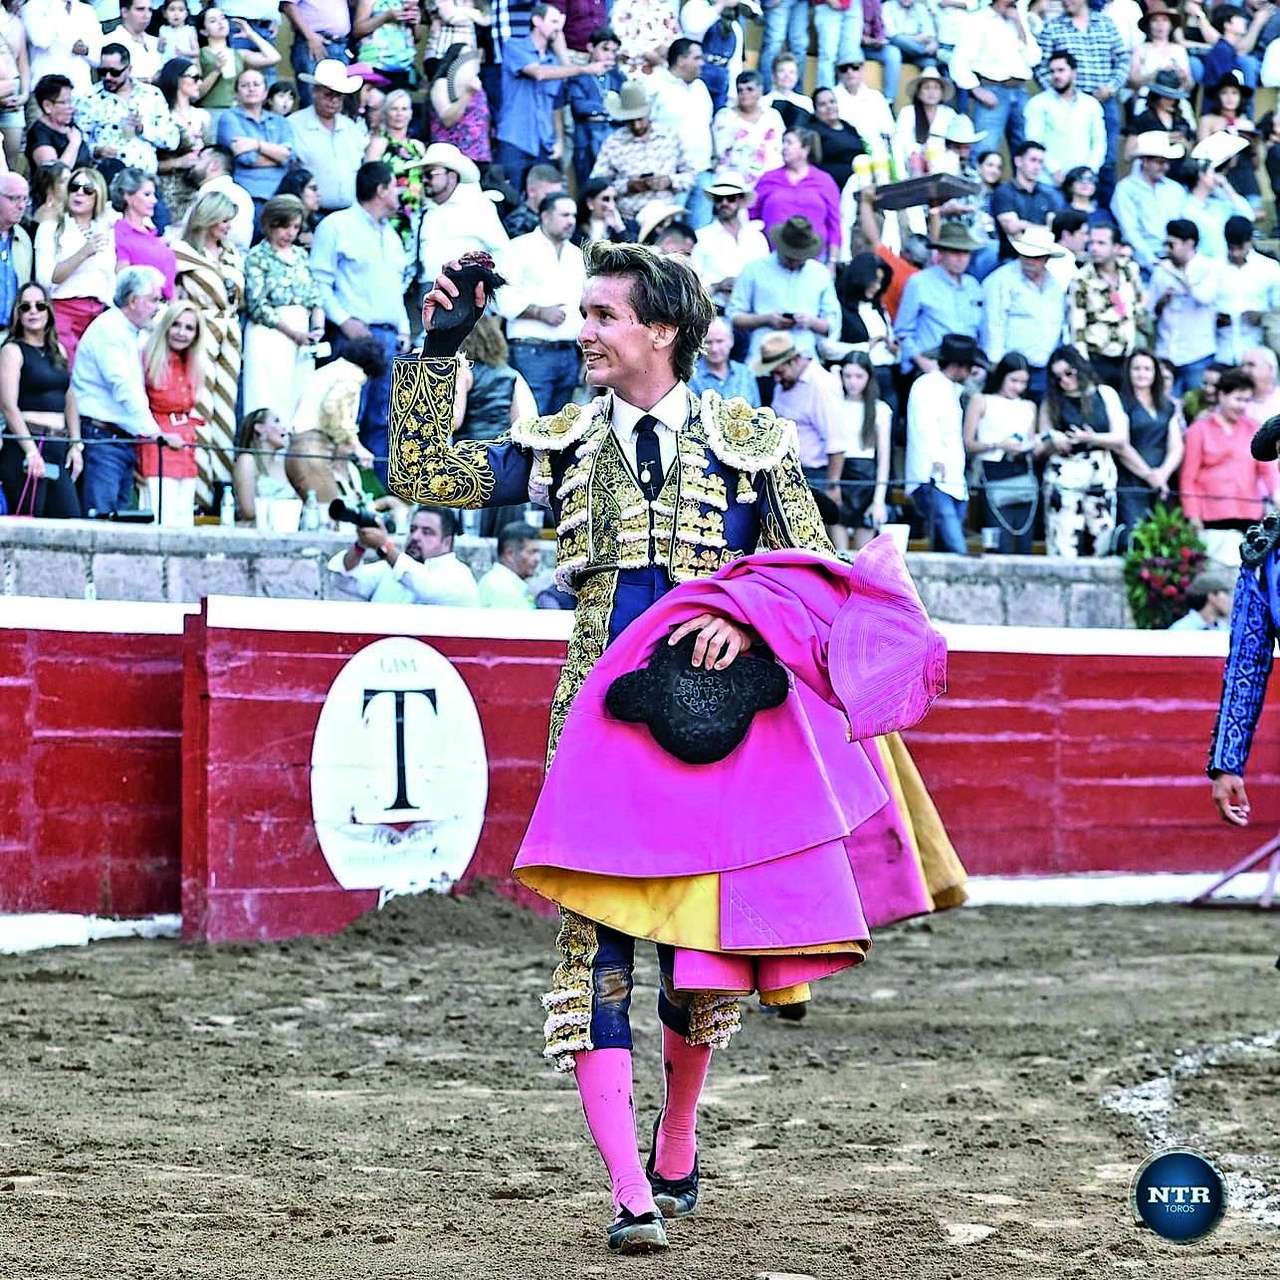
(972, 1103)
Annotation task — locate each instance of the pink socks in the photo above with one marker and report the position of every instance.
(684, 1067)
(604, 1085)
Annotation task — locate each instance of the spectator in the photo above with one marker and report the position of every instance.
(787, 23)
(325, 140)
(359, 266)
(809, 396)
(1225, 114)
(993, 59)
(586, 100)
(1161, 52)
(426, 572)
(76, 259)
(1103, 306)
(457, 217)
(177, 38)
(838, 145)
(17, 258)
(1022, 306)
(1025, 201)
(681, 105)
(1212, 199)
(719, 28)
(123, 121)
(1079, 192)
(941, 299)
(746, 135)
(715, 371)
(1166, 112)
(1223, 485)
(300, 182)
(48, 193)
(458, 107)
(222, 63)
(1154, 451)
(1261, 365)
(258, 475)
(1200, 400)
(505, 585)
(539, 183)
(321, 29)
(786, 291)
(284, 310)
(111, 395)
(1184, 297)
(282, 98)
(729, 241)
(64, 38)
(645, 163)
(926, 115)
(1071, 235)
(935, 467)
(406, 157)
(912, 28)
(546, 276)
(1082, 428)
(174, 360)
(53, 135)
(387, 31)
(876, 47)
(1000, 437)
(865, 109)
(144, 50)
(799, 189)
(262, 143)
(599, 218)
(213, 173)
(795, 108)
(1250, 289)
(1238, 35)
(211, 274)
(1208, 600)
(866, 326)
(133, 196)
(1147, 199)
(38, 475)
(1069, 122)
(864, 479)
(179, 82)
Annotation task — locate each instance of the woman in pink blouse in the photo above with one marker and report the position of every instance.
(800, 189)
(138, 243)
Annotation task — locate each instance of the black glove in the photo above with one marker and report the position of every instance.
(449, 329)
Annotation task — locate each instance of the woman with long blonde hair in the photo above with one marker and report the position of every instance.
(210, 273)
(174, 365)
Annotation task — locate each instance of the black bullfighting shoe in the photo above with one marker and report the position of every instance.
(631, 1233)
(675, 1197)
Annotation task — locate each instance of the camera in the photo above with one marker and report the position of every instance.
(361, 517)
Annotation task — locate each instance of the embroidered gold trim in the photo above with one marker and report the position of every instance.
(558, 431)
(713, 1019)
(567, 1029)
(742, 437)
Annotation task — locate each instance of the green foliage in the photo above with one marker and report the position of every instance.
(1165, 554)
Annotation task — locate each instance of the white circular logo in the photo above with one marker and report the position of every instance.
(399, 774)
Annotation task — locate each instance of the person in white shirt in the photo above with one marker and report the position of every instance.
(64, 37)
(681, 104)
(1184, 296)
(426, 572)
(993, 59)
(144, 50)
(457, 217)
(728, 242)
(545, 278)
(936, 460)
(1250, 288)
(1069, 123)
(863, 108)
(506, 584)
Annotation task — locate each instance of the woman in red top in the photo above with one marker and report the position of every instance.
(174, 363)
(1223, 484)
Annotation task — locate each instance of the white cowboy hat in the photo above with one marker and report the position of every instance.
(631, 102)
(332, 74)
(1158, 145)
(656, 214)
(445, 155)
(959, 131)
(1035, 241)
(1219, 147)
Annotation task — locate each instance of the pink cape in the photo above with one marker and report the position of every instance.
(796, 820)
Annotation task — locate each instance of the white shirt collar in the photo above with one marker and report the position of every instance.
(672, 412)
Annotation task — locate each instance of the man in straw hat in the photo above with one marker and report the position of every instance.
(1068, 122)
(939, 300)
(642, 160)
(729, 241)
(1147, 199)
(787, 291)
(325, 139)
(1022, 305)
(457, 216)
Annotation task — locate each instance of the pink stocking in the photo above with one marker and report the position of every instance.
(684, 1067)
(604, 1085)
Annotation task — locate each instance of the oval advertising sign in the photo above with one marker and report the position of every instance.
(399, 774)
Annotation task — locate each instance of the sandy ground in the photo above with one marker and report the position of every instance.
(375, 1105)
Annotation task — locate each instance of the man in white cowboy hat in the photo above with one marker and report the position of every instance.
(321, 29)
(729, 241)
(1147, 199)
(941, 299)
(545, 278)
(325, 139)
(642, 160)
(1212, 199)
(1068, 122)
(992, 61)
(457, 217)
(1022, 305)
(787, 291)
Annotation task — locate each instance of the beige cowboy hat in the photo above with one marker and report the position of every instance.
(959, 131)
(775, 350)
(796, 239)
(958, 238)
(1155, 144)
(332, 74)
(653, 217)
(1035, 241)
(728, 183)
(927, 73)
(1219, 147)
(631, 102)
(444, 155)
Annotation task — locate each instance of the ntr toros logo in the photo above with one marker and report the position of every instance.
(399, 774)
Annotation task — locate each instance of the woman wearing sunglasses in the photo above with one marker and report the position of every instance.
(41, 456)
(76, 258)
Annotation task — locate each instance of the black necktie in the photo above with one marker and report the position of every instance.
(648, 457)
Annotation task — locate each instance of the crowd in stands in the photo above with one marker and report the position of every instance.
(216, 225)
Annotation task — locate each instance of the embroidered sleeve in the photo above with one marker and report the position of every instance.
(1244, 682)
(425, 464)
(790, 517)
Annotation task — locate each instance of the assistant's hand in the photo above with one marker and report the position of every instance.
(1232, 800)
(719, 640)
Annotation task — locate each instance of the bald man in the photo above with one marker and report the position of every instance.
(15, 244)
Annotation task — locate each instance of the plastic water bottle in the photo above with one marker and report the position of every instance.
(227, 511)
(310, 513)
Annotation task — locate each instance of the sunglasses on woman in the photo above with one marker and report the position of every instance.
(80, 188)
(33, 306)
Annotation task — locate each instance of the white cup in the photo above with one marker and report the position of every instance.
(898, 534)
(991, 538)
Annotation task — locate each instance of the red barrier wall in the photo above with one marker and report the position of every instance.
(1042, 761)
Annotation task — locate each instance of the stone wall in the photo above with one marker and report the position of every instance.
(107, 561)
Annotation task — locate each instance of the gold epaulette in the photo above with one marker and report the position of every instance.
(558, 431)
(742, 437)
